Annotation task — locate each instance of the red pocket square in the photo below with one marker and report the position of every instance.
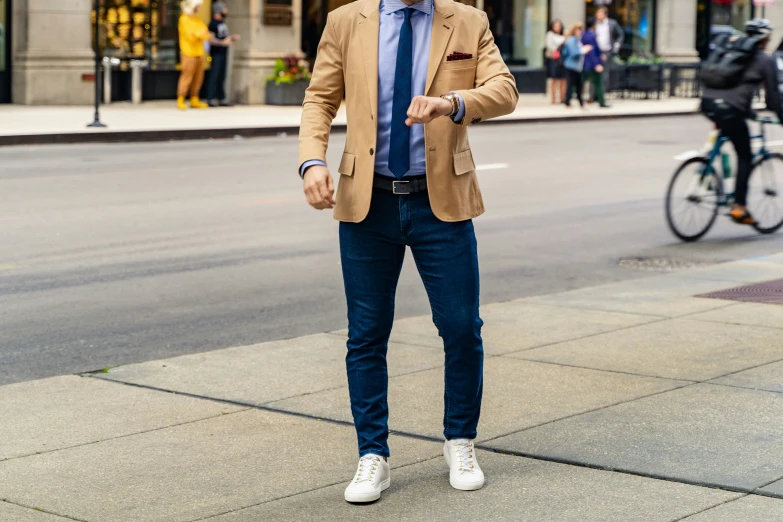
(453, 57)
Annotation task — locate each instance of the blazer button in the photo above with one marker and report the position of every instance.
(372, 151)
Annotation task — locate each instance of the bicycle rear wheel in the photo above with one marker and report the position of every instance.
(692, 201)
(765, 193)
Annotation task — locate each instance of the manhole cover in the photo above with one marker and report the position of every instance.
(661, 264)
(770, 292)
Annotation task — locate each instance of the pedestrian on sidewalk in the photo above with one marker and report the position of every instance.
(594, 64)
(610, 38)
(555, 70)
(193, 32)
(220, 41)
(407, 179)
(574, 61)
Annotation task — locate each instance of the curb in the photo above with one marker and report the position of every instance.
(260, 132)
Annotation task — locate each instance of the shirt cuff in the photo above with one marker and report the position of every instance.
(457, 118)
(307, 164)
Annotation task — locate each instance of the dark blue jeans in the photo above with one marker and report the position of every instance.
(372, 253)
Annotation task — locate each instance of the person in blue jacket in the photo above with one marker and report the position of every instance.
(573, 61)
(594, 63)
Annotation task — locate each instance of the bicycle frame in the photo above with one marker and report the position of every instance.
(762, 153)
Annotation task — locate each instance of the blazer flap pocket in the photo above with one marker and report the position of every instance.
(347, 164)
(463, 163)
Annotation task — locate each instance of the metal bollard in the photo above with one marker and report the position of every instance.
(137, 67)
(108, 64)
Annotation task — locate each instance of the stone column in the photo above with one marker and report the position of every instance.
(676, 30)
(52, 50)
(255, 54)
(569, 11)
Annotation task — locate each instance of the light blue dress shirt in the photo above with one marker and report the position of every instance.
(392, 17)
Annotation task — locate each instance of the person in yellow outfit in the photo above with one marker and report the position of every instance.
(193, 32)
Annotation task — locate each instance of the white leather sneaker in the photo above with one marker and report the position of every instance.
(372, 477)
(465, 473)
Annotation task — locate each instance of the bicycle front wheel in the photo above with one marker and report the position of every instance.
(765, 193)
(692, 201)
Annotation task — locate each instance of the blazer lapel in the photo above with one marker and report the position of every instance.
(442, 30)
(369, 32)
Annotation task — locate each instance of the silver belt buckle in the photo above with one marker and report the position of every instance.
(403, 190)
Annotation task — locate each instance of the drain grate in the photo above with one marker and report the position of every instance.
(770, 292)
(652, 264)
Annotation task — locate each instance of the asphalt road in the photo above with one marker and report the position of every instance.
(112, 254)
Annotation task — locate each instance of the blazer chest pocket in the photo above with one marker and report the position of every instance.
(463, 163)
(347, 164)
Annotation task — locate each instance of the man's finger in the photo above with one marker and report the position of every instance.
(325, 195)
(330, 188)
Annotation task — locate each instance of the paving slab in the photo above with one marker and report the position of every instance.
(768, 377)
(675, 349)
(776, 489)
(192, 471)
(702, 434)
(665, 296)
(266, 372)
(14, 513)
(517, 489)
(749, 271)
(518, 325)
(517, 395)
(751, 508)
(60, 412)
(751, 314)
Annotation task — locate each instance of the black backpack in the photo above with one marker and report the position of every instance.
(725, 66)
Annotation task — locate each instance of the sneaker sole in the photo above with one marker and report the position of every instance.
(368, 497)
(461, 487)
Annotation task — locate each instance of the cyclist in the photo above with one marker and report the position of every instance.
(729, 107)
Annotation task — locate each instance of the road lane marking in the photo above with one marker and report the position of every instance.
(9, 267)
(493, 166)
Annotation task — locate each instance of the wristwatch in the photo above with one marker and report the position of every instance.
(452, 97)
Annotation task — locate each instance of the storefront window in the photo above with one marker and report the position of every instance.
(519, 27)
(733, 13)
(636, 17)
(144, 29)
(530, 26)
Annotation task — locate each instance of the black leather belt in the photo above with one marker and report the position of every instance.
(400, 187)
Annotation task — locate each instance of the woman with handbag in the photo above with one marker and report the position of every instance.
(554, 62)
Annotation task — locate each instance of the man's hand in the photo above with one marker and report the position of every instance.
(424, 109)
(235, 37)
(227, 41)
(599, 68)
(319, 188)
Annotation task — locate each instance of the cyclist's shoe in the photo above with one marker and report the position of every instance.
(742, 217)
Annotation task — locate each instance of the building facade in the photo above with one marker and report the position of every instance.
(47, 48)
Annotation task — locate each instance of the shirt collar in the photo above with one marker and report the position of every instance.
(393, 6)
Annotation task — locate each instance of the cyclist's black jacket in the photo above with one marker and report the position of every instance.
(762, 70)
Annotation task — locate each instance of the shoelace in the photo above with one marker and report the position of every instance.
(367, 467)
(465, 456)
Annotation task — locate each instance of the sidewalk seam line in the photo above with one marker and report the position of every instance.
(588, 336)
(690, 381)
(122, 436)
(686, 517)
(41, 510)
(303, 492)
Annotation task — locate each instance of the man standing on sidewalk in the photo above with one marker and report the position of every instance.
(220, 40)
(610, 40)
(416, 74)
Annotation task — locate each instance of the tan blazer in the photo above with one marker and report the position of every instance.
(347, 63)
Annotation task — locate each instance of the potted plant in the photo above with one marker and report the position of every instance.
(289, 82)
(644, 74)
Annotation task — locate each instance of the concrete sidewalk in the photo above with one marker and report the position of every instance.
(634, 401)
(162, 121)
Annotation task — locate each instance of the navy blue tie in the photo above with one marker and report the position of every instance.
(400, 146)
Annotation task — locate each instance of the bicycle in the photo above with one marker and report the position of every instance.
(692, 213)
